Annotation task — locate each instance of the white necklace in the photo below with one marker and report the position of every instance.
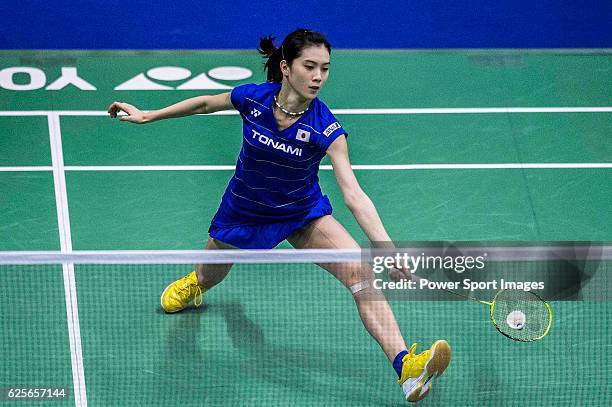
(287, 112)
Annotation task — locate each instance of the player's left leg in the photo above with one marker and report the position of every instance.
(327, 233)
(415, 371)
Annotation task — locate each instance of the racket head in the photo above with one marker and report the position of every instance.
(535, 313)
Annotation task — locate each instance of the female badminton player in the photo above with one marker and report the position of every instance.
(274, 193)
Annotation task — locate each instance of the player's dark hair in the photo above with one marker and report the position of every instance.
(290, 49)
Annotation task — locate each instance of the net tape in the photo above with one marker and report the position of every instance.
(494, 253)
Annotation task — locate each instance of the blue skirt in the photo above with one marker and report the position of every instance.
(264, 235)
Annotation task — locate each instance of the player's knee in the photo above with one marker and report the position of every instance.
(365, 291)
(360, 287)
(359, 279)
(353, 273)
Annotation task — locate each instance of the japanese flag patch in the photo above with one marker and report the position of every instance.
(303, 135)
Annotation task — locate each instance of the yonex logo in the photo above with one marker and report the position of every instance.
(255, 112)
(330, 129)
(37, 79)
(159, 78)
(175, 73)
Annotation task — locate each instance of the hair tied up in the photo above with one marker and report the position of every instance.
(266, 46)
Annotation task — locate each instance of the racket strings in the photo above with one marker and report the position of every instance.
(521, 315)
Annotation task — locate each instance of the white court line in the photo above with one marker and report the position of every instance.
(152, 168)
(355, 167)
(450, 110)
(24, 169)
(374, 167)
(477, 166)
(63, 221)
(476, 110)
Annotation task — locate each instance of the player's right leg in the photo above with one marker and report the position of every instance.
(416, 372)
(178, 295)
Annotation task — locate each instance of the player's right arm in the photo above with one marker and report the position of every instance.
(188, 107)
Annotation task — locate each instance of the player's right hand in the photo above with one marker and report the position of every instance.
(133, 114)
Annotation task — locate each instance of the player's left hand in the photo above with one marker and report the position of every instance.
(400, 273)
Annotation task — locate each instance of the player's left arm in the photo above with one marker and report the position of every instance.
(356, 200)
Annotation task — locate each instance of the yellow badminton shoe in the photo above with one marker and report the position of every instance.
(177, 296)
(419, 371)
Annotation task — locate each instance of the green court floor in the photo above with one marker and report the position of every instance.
(289, 335)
